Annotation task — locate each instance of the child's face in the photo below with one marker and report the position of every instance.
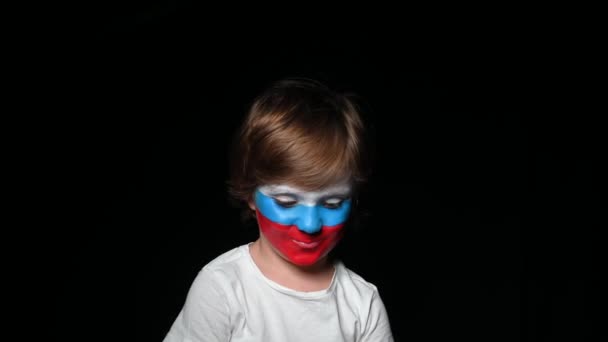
(304, 226)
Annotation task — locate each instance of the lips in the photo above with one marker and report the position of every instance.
(302, 239)
(306, 245)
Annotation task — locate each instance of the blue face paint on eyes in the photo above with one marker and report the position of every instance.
(307, 218)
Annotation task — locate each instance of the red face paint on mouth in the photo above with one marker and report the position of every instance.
(296, 246)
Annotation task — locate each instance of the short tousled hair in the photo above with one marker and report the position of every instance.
(302, 133)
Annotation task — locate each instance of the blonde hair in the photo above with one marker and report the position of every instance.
(298, 132)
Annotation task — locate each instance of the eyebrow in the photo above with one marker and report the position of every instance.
(282, 194)
(342, 190)
(341, 195)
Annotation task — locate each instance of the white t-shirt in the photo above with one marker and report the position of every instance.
(231, 300)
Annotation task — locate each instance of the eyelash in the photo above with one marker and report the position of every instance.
(284, 204)
(291, 204)
(333, 205)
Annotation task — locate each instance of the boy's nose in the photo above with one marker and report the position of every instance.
(310, 221)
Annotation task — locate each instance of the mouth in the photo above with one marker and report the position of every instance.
(306, 245)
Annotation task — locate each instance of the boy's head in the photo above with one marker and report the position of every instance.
(298, 132)
(307, 141)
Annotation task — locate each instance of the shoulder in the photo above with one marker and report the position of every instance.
(354, 285)
(350, 277)
(217, 279)
(227, 260)
(226, 267)
(206, 311)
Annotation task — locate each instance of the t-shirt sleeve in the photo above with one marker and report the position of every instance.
(377, 327)
(205, 314)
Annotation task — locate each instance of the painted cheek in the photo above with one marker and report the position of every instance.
(298, 247)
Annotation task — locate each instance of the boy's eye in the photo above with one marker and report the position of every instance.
(333, 203)
(285, 202)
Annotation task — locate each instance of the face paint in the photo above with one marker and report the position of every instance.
(303, 226)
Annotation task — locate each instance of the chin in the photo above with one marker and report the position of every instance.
(305, 260)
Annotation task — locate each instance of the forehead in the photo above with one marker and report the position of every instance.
(342, 188)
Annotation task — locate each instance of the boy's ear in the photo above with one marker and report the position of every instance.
(251, 204)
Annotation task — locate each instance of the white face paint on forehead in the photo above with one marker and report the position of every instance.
(341, 190)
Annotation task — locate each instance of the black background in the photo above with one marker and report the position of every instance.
(481, 197)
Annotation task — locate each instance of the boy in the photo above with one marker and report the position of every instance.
(298, 164)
